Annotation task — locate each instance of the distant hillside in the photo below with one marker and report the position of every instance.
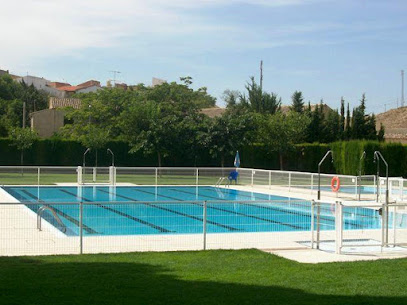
(395, 124)
(325, 107)
(213, 111)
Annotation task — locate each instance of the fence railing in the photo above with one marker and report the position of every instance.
(359, 228)
(352, 187)
(96, 227)
(124, 226)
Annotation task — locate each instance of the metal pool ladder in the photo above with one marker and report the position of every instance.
(41, 210)
(220, 180)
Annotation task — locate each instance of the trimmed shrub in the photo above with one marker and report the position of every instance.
(305, 157)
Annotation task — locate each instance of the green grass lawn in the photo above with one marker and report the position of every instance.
(206, 277)
(49, 179)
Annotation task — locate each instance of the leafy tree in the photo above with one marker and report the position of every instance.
(35, 99)
(281, 132)
(331, 127)
(152, 128)
(187, 80)
(12, 96)
(22, 139)
(94, 138)
(297, 102)
(191, 129)
(226, 134)
(257, 100)
(9, 89)
(314, 128)
(231, 98)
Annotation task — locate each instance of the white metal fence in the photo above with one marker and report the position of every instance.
(351, 187)
(36, 228)
(359, 228)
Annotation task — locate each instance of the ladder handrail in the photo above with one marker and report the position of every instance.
(220, 180)
(41, 210)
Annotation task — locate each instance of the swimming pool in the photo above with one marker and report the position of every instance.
(130, 210)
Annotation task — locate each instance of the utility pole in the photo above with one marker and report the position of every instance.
(114, 75)
(402, 88)
(261, 75)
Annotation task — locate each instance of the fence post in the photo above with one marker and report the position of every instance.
(312, 183)
(374, 184)
(338, 227)
(394, 224)
(197, 177)
(356, 187)
(318, 222)
(312, 223)
(79, 170)
(112, 175)
(156, 176)
(39, 173)
(204, 224)
(252, 176)
(269, 180)
(289, 181)
(383, 225)
(81, 228)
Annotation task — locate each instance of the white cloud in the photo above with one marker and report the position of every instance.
(42, 28)
(37, 30)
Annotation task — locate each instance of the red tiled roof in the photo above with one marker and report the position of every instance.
(84, 85)
(69, 88)
(58, 84)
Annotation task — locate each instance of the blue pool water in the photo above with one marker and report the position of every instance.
(166, 210)
(350, 189)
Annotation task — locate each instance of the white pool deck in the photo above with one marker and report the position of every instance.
(19, 236)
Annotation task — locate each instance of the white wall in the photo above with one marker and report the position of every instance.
(41, 84)
(89, 89)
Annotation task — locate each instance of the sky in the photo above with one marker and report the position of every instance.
(325, 48)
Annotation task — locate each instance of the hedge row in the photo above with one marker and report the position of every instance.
(347, 157)
(305, 157)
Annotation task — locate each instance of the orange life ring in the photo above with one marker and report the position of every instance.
(335, 184)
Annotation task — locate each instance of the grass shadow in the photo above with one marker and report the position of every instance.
(109, 281)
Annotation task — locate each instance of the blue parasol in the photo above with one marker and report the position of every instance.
(237, 160)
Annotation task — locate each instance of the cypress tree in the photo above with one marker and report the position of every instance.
(342, 120)
(347, 129)
(380, 135)
(297, 103)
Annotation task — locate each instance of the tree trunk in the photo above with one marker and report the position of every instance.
(159, 163)
(222, 163)
(96, 163)
(22, 161)
(159, 158)
(281, 160)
